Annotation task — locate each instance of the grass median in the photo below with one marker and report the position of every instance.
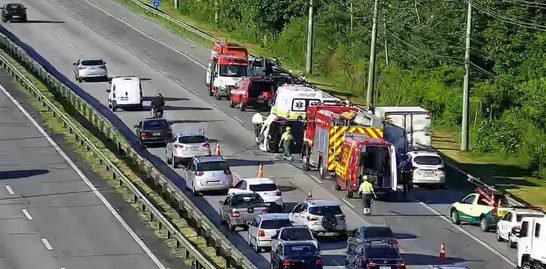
(55, 126)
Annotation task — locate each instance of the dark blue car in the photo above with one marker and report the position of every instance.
(370, 233)
(294, 254)
(375, 254)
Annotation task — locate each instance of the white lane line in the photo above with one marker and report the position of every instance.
(196, 93)
(178, 81)
(485, 245)
(27, 215)
(144, 60)
(92, 29)
(215, 105)
(316, 179)
(119, 44)
(81, 21)
(47, 244)
(87, 182)
(81, 53)
(237, 119)
(161, 71)
(150, 37)
(10, 190)
(132, 52)
(348, 203)
(60, 38)
(70, 45)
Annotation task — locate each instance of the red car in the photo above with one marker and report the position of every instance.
(253, 91)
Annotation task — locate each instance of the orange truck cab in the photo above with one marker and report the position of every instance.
(253, 91)
(362, 155)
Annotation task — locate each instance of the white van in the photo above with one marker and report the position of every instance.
(531, 243)
(292, 100)
(125, 93)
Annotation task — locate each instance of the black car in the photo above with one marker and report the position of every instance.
(296, 255)
(11, 12)
(371, 233)
(375, 254)
(153, 131)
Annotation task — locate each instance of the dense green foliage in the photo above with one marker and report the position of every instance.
(423, 41)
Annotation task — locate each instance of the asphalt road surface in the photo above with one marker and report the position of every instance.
(52, 216)
(65, 30)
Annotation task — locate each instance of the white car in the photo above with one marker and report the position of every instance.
(511, 222)
(265, 187)
(183, 146)
(321, 216)
(427, 168)
(90, 69)
(207, 173)
(265, 226)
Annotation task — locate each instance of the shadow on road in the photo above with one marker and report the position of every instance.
(13, 174)
(422, 259)
(38, 21)
(167, 99)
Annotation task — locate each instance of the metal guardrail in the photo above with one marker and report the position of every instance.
(169, 191)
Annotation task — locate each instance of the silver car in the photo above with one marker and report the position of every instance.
(90, 69)
(183, 146)
(207, 173)
(263, 227)
(239, 208)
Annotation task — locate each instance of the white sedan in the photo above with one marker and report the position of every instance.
(511, 223)
(265, 187)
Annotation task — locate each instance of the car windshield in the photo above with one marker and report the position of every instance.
(381, 232)
(14, 7)
(232, 70)
(275, 224)
(382, 252)
(212, 166)
(155, 125)
(192, 139)
(301, 250)
(240, 201)
(296, 234)
(263, 187)
(428, 160)
(519, 217)
(325, 210)
(92, 62)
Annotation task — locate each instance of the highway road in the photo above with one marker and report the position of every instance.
(52, 215)
(64, 30)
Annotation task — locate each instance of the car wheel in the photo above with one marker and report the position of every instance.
(455, 217)
(231, 103)
(218, 96)
(24, 19)
(175, 163)
(511, 243)
(348, 193)
(336, 186)
(305, 163)
(322, 173)
(211, 93)
(526, 265)
(114, 107)
(499, 238)
(194, 192)
(483, 224)
(231, 226)
(242, 106)
(169, 160)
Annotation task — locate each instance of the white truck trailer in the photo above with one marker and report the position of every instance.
(532, 244)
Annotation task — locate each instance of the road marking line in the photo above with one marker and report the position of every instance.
(237, 119)
(178, 81)
(485, 245)
(144, 60)
(92, 28)
(150, 37)
(316, 179)
(10, 190)
(81, 21)
(81, 53)
(215, 105)
(348, 203)
(196, 93)
(132, 52)
(70, 45)
(119, 44)
(161, 71)
(25, 212)
(46, 244)
(60, 38)
(87, 182)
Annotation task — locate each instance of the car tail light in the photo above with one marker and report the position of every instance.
(517, 228)
(178, 146)
(372, 265)
(319, 261)
(261, 233)
(206, 145)
(143, 134)
(199, 174)
(227, 172)
(416, 170)
(279, 193)
(401, 266)
(395, 244)
(494, 212)
(310, 218)
(287, 262)
(235, 214)
(342, 217)
(264, 211)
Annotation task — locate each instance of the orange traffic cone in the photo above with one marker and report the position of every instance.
(310, 195)
(442, 253)
(261, 171)
(218, 152)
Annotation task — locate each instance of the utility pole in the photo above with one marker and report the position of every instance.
(176, 4)
(352, 16)
(309, 60)
(216, 15)
(371, 71)
(386, 45)
(466, 93)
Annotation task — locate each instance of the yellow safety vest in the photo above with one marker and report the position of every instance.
(287, 136)
(366, 187)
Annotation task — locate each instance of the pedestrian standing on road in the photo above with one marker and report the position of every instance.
(405, 167)
(258, 121)
(286, 141)
(366, 189)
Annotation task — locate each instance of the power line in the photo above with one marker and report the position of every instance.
(515, 21)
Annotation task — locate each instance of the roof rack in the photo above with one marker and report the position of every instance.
(488, 193)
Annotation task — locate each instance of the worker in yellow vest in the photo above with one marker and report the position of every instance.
(286, 140)
(366, 189)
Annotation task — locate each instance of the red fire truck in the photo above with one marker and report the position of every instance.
(327, 126)
(361, 156)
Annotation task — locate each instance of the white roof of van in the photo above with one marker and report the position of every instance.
(295, 87)
(382, 110)
(123, 79)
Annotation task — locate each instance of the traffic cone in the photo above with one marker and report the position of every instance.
(218, 152)
(261, 171)
(310, 195)
(442, 253)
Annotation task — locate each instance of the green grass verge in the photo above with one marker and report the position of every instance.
(55, 126)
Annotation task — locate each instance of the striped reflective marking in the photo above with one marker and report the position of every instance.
(337, 136)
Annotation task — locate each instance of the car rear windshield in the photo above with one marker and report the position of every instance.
(383, 252)
(428, 160)
(14, 7)
(240, 201)
(325, 210)
(381, 232)
(212, 166)
(295, 234)
(275, 224)
(192, 139)
(155, 125)
(263, 187)
(92, 62)
(519, 217)
(301, 250)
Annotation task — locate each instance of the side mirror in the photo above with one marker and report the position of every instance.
(74, 64)
(108, 90)
(515, 232)
(249, 223)
(221, 202)
(136, 126)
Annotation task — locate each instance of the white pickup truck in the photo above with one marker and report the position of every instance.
(511, 223)
(532, 244)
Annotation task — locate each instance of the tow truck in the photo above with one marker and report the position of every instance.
(484, 207)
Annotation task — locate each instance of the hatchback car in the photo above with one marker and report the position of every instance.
(252, 91)
(237, 209)
(183, 146)
(208, 173)
(265, 187)
(14, 12)
(293, 233)
(296, 255)
(263, 227)
(321, 216)
(90, 69)
(153, 131)
(427, 168)
(375, 254)
(371, 233)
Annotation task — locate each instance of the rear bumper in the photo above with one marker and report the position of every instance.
(429, 180)
(154, 140)
(178, 156)
(263, 242)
